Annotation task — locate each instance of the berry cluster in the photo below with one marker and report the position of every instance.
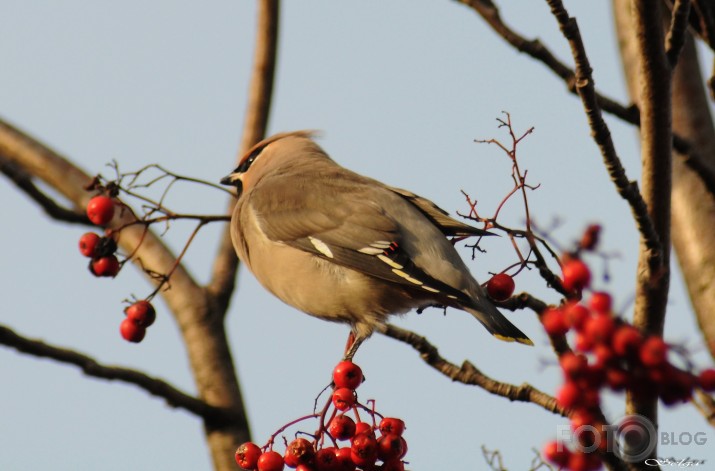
(365, 450)
(608, 353)
(101, 250)
(139, 316)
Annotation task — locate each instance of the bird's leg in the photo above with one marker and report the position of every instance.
(352, 345)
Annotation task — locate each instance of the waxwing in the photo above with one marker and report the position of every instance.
(347, 248)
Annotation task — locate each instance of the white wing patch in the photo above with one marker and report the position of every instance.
(391, 263)
(321, 246)
(376, 248)
(380, 249)
(407, 277)
(371, 250)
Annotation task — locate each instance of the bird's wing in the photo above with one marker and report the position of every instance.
(438, 216)
(341, 222)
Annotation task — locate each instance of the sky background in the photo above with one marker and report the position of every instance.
(400, 90)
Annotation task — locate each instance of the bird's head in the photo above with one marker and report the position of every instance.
(272, 154)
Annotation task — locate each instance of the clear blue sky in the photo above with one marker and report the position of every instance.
(401, 89)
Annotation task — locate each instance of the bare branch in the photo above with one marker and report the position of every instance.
(652, 282)
(705, 404)
(657, 164)
(92, 368)
(601, 134)
(52, 209)
(702, 20)
(469, 374)
(225, 265)
(675, 39)
(630, 114)
(198, 319)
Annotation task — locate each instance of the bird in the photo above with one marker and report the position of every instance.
(347, 248)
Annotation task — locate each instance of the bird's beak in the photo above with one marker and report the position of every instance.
(231, 180)
(234, 179)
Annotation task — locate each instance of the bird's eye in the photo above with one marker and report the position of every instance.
(250, 159)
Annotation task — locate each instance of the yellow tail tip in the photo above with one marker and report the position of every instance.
(524, 341)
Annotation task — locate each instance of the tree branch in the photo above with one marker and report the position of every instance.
(201, 326)
(652, 281)
(52, 209)
(470, 374)
(675, 39)
(90, 367)
(630, 114)
(225, 265)
(601, 134)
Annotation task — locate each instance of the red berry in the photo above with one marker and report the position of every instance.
(604, 356)
(590, 397)
(569, 395)
(347, 375)
(583, 342)
(599, 328)
(88, 244)
(131, 332)
(589, 239)
(344, 398)
(100, 210)
(363, 449)
(342, 427)
(576, 275)
(105, 266)
(557, 453)
(142, 313)
(617, 378)
(576, 314)
(653, 352)
(363, 427)
(391, 425)
(580, 418)
(393, 465)
(299, 451)
(626, 340)
(500, 286)
(580, 461)
(554, 322)
(677, 385)
(574, 366)
(326, 460)
(706, 380)
(600, 302)
(270, 461)
(247, 455)
(390, 447)
(345, 460)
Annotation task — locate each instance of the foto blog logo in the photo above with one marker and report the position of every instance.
(633, 438)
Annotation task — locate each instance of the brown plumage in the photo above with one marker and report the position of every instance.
(347, 248)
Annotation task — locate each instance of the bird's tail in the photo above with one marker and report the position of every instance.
(495, 322)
